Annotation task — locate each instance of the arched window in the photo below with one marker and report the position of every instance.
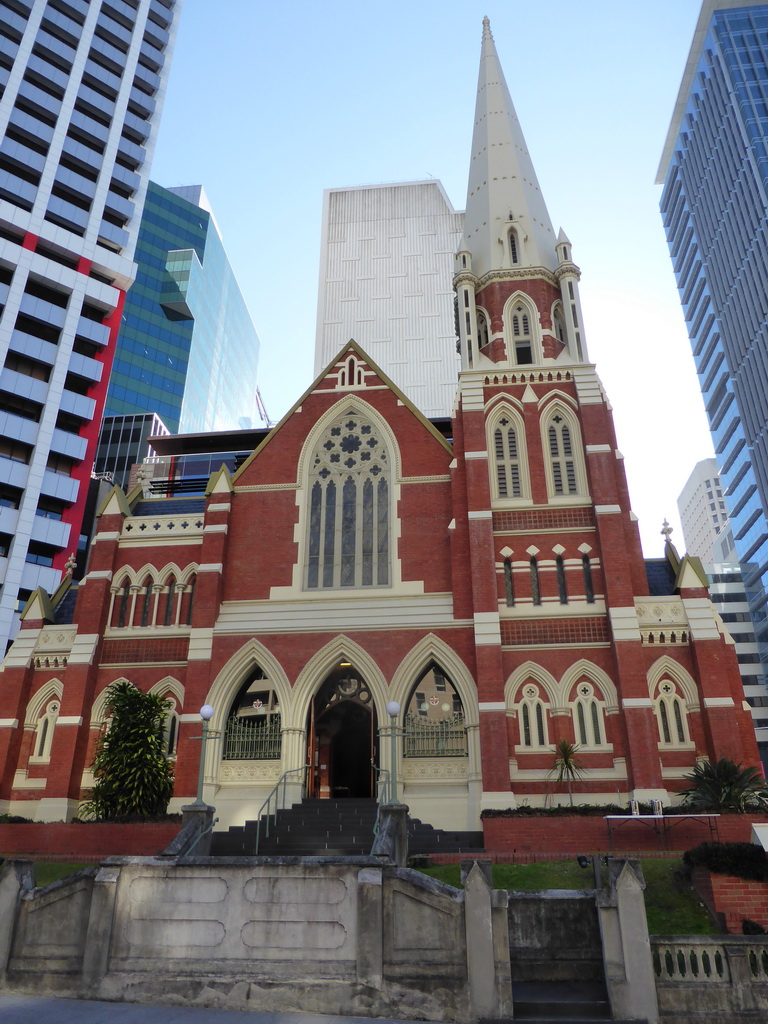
(507, 457)
(509, 583)
(535, 584)
(169, 619)
(125, 599)
(514, 256)
(562, 444)
(171, 729)
(558, 324)
(253, 731)
(146, 603)
(671, 715)
(434, 718)
(191, 599)
(589, 589)
(532, 716)
(348, 532)
(589, 727)
(46, 724)
(561, 582)
(522, 338)
(483, 335)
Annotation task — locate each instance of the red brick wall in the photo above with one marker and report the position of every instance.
(84, 843)
(520, 838)
(730, 899)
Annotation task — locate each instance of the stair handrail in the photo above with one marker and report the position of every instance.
(383, 777)
(282, 781)
(382, 795)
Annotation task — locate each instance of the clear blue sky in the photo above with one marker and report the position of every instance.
(269, 104)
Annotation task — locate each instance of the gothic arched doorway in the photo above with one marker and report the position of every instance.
(342, 737)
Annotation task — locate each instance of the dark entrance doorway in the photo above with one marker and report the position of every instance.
(342, 734)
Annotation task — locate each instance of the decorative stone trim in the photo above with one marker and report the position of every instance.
(434, 767)
(529, 378)
(161, 527)
(248, 771)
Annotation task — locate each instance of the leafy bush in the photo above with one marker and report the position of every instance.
(133, 775)
(13, 819)
(750, 927)
(744, 860)
(561, 811)
(723, 785)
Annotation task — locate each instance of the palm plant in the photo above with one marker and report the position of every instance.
(722, 785)
(567, 767)
(133, 775)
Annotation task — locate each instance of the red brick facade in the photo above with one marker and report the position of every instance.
(534, 608)
(730, 899)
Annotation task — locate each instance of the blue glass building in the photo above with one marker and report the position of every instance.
(715, 210)
(187, 349)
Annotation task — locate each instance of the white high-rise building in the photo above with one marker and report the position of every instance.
(386, 269)
(704, 516)
(82, 89)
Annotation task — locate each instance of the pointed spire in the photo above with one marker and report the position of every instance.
(503, 192)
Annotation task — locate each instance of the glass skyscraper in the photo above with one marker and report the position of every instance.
(81, 89)
(715, 210)
(187, 349)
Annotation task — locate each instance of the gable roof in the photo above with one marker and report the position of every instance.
(350, 347)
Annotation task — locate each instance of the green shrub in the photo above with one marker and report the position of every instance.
(13, 819)
(561, 811)
(744, 860)
(133, 775)
(750, 927)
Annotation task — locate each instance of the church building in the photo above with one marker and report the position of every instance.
(484, 574)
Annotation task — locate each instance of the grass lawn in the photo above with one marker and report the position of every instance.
(671, 904)
(47, 871)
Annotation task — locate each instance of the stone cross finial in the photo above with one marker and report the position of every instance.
(666, 530)
(70, 564)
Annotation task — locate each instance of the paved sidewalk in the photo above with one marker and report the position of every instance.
(45, 1010)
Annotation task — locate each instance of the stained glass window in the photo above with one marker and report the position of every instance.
(348, 522)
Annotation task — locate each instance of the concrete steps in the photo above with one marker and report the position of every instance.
(540, 1001)
(336, 827)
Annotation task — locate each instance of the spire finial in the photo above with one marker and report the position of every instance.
(666, 531)
(502, 178)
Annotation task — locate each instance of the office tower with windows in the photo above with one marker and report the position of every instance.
(82, 89)
(708, 536)
(386, 262)
(187, 349)
(714, 204)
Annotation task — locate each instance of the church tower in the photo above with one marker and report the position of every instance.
(558, 581)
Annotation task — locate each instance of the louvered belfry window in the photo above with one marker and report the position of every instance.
(507, 460)
(561, 455)
(349, 506)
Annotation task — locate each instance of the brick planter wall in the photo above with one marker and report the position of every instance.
(523, 838)
(730, 899)
(84, 843)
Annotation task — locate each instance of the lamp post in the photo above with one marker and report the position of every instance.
(206, 714)
(393, 710)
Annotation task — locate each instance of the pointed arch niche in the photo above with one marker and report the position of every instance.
(441, 782)
(42, 713)
(674, 696)
(522, 331)
(530, 693)
(508, 462)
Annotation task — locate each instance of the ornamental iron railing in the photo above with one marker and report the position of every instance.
(446, 738)
(252, 739)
